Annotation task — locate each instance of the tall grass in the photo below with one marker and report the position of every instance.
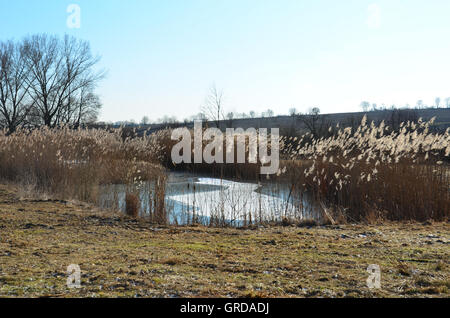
(375, 173)
(361, 173)
(366, 173)
(69, 163)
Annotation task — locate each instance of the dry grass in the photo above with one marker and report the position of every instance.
(72, 164)
(132, 205)
(373, 173)
(121, 256)
(366, 174)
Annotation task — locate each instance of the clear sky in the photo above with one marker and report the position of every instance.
(162, 56)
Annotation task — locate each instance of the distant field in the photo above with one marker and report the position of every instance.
(442, 120)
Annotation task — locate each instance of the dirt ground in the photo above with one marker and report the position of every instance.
(119, 256)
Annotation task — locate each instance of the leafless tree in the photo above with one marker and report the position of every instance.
(365, 106)
(437, 101)
(198, 117)
(293, 112)
(420, 104)
(213, 107)
(15, 103)
(230, 118)
(145, 120)
(62, 79)
(81, 108)
(315, 123)
(269, 113)
(168, 120)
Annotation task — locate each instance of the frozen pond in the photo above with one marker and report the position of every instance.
(204, 200)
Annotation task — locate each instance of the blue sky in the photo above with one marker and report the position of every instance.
(162, 56)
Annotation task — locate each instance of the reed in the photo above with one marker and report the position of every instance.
(374, 172)
(369, 173)
(73, 163)
(132, 205)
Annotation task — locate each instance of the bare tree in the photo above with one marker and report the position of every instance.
(420, 104)
(315, 123)
(365, 106)
(293, 112)
(145, 120)
(200, 117)
(447, 102)
(168, 120)
(437, 101)
(86, 107)
(79, 108)
(62, 78)
(230, 118)
(269, 113)
(15, 103)
(242, 115)
(213, 107)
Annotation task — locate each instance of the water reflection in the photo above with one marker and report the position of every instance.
(190, 198)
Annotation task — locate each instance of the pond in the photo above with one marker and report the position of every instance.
(192, 198)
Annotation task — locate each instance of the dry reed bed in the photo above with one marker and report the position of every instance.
(369, 173)
(70, 163)
(374, 173)
(365, 174)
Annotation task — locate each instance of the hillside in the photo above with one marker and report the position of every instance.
(289, 122)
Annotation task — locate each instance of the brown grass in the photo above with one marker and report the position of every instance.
(132, 205)
(124, 257)
(72, 164)
(367, 174)
(373, 173)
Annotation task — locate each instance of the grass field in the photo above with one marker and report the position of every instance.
(120, 256)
